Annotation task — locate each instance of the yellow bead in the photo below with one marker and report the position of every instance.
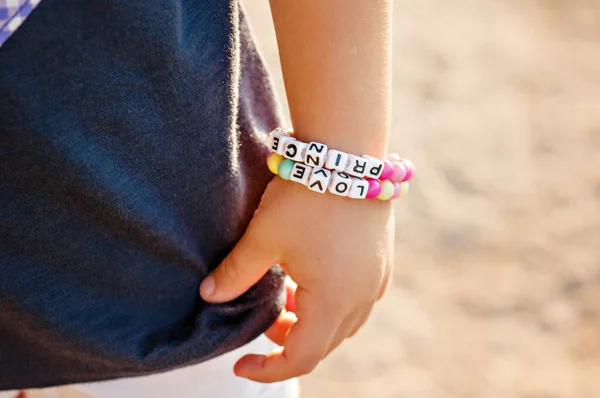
(273, 162)
(387, 190)
(403, 189)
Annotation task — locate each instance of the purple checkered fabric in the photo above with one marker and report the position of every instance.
(12, 15)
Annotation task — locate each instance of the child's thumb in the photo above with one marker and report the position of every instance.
(243, 267)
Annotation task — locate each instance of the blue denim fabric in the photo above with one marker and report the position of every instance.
(131, 161)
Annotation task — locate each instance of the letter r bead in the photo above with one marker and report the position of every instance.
(357, 166)
(374, 167)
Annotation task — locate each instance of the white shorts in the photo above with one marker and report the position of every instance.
(210, 379)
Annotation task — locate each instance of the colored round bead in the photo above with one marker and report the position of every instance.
(273, 161)
(374, 189)
(394, 157)
(410, 169)
(403, 189)
(387, 190)
(397, 189)
(399, 172)
(285, 168)
(387, 172)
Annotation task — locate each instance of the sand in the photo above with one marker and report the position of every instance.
(497, 281)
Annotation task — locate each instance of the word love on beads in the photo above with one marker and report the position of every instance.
(316, 154)
(321, 169)
(338, 183)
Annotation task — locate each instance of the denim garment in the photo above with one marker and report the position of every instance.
(131, 161)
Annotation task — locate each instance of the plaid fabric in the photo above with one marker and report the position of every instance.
(12, 15)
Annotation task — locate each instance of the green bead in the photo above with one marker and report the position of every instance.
(285, 168)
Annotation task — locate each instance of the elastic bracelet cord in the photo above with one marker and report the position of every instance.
(322, 169)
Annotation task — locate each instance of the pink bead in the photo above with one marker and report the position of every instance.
(387, 172)
(394, 157)
(399, 172)
(374, 189)
(410, 169)
(397, 189)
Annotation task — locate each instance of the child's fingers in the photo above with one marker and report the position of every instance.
(282, 325)
(243, 267)
(305, 345)
(290, 290)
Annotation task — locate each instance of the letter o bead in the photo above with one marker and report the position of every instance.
(340, 183)
(319, 180)
(359, 188)
(300, 173)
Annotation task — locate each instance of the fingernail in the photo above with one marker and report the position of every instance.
(207, 287)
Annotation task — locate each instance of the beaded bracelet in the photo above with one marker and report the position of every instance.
(342, 174)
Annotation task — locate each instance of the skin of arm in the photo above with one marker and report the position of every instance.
(335, 56)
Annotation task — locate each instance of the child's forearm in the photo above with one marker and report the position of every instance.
(335, 56)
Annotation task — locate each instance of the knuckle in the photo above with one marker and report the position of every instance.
(229, 269)
(306, 364)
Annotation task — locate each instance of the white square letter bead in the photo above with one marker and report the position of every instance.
(279, 142)
(336, 160)
(319, 180)
(358, 188)
(374, 167)
(356, 167)
(300, 173)
(316, 154)
(340, 183)
(294, 150)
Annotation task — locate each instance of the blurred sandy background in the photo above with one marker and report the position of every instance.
(497, 285)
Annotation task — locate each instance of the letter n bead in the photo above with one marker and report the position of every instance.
(300, 173)
(356, 167)
(315, 154)
(294, 150)
(319, 180)
(359, 188)
(340, 183)
(374, 167)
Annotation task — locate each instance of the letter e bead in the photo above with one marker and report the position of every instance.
(279, 143)
(300, 173)
(319, 180)
(340, 183)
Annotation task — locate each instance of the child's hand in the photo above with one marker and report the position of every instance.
(339, 253)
